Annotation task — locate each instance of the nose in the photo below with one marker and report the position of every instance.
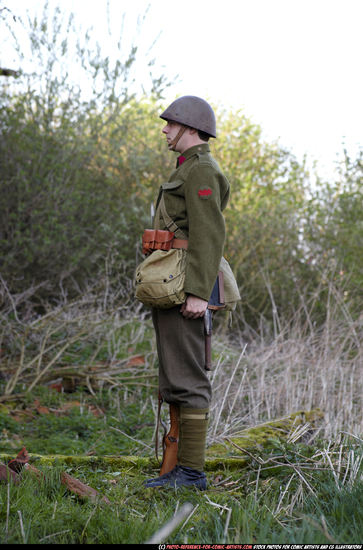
(165, 129)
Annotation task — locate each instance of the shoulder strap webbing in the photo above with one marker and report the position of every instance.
(170, 224)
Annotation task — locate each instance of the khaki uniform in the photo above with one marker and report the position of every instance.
(192, 203)
(195, 196)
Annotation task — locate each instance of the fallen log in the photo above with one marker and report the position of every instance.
(21, 462)
(218, 455)
(7, 474)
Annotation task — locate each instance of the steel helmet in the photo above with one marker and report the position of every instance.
(192, 111)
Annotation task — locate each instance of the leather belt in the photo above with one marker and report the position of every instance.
(180, 243)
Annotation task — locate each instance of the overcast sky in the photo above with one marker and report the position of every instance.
(293, 66)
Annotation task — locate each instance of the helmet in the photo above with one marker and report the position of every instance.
(192, 111)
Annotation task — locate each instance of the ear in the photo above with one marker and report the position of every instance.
(192, 131)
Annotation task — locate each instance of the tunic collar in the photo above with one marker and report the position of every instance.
(203, 148)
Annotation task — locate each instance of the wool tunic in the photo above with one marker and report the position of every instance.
(195, 196)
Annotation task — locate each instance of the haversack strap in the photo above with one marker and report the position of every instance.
(169, 222)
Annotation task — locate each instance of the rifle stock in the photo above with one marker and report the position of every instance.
(170, 442)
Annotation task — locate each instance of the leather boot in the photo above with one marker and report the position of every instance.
(193, 424)
(180, 476)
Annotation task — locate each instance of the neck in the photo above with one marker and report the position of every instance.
(184, 146)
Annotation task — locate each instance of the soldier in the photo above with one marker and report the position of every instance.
(194, 197)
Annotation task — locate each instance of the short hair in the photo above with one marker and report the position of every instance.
(203, 135)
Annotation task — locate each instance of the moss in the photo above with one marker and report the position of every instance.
(264, 435)
(91, 461)
(128, 463)
(213, 464)
(219, 456)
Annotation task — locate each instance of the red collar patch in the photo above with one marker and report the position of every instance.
(180, 160)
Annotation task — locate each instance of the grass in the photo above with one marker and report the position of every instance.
(81, 381)
(282, 492)
(77, 423)
(253, 506)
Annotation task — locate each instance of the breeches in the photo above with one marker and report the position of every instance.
(183, 379)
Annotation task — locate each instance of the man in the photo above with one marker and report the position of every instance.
(194, 197)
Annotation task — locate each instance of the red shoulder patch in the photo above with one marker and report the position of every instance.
(205, 192)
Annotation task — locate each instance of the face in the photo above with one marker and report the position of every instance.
(171, 130)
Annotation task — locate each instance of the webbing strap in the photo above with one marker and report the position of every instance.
(194, 416)
(169, 222)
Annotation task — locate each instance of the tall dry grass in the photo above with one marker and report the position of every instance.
(296, 366)
(257, 376)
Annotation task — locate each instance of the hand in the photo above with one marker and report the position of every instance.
(193, 307)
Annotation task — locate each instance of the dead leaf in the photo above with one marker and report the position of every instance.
(22, 415)
(95, 410)
(81, 489)
(136, 361)
(40, 408)
(70, 405)
(57, 386)
(17, 463)
(217, 479)
(21, 462)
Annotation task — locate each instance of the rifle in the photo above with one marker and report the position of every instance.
(216, 301)
(170, 438)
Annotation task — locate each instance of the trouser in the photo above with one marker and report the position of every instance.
(183, 380)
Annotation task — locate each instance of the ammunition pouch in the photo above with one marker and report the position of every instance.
(156, 239)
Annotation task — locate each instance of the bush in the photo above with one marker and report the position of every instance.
(71, 187)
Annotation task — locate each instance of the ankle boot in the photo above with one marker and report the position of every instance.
(180, 476)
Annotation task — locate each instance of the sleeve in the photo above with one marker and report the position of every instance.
(206, 230)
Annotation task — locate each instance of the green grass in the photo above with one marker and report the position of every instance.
(50, 514)
(78, 431)
(286, 493)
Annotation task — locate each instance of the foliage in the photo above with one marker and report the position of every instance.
(335, 234)
(71, 186)
(264, 221)
(96, 344)
(81, 163)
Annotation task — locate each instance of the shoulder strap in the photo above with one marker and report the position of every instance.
(170, 224)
